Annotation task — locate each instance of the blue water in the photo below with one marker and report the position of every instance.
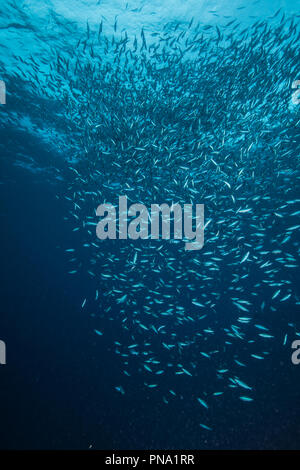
(208, 122)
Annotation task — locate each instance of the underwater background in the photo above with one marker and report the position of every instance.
(140, 344)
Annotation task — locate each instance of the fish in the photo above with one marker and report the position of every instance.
(202, 402)
(246, 399)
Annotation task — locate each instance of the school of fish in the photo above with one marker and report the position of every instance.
(195, 113)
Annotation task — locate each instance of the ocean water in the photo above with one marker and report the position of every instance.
(141, 344)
